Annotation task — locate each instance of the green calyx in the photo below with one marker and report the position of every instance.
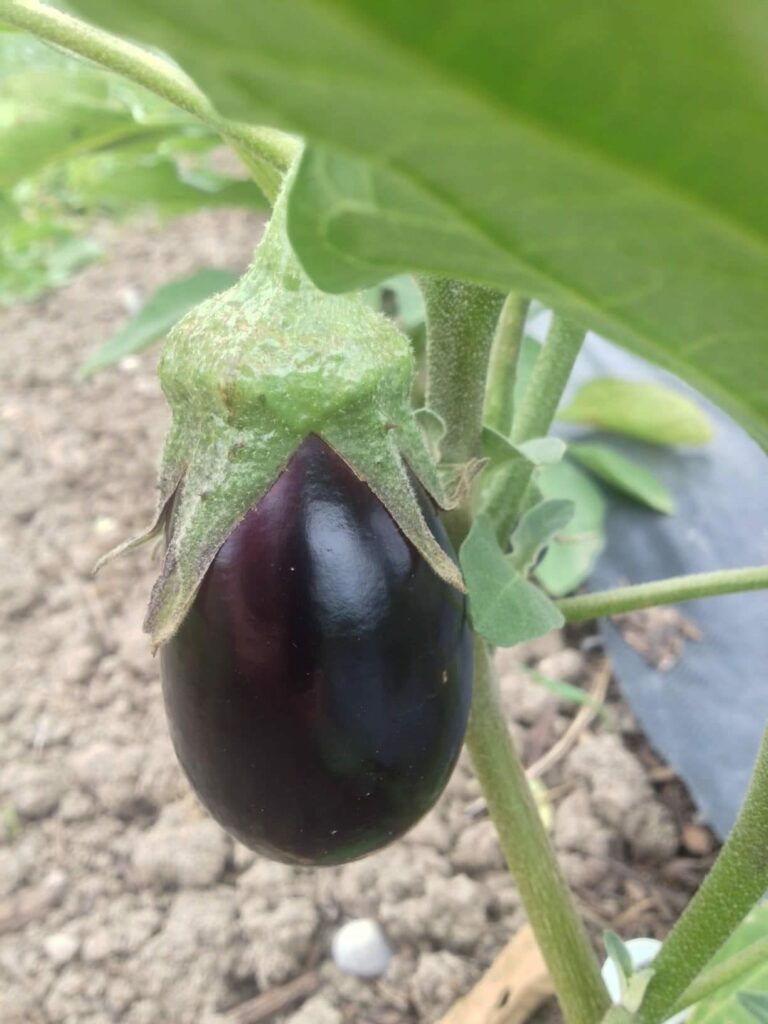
(249, 374)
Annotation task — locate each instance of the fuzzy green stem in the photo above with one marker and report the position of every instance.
(668, 591)
(267, 153)
(548, 379)
(500, 393)
(461, 323)
(737, 881)
(529, 854)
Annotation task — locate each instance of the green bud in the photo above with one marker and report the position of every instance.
(248, 375)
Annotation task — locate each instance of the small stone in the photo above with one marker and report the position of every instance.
(61, 947)
(360, 948)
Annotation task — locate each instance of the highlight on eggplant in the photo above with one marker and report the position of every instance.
(318, 690)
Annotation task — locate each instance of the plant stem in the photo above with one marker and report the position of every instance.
(461, 322)
(668, 591)
(529, 854)
(267, 153)
(500, 393)
(548, 379)
(737, 881)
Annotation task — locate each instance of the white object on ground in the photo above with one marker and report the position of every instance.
(642, 953)
(360, 948)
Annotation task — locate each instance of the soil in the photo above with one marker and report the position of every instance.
(120, 900)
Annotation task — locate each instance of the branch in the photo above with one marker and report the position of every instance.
(461, 322)
(738, 879)
(505, 354)
(529, 854)
(266, 152)
(668, 591)
(548, 379)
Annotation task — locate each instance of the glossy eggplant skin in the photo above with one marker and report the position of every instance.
(319, 688)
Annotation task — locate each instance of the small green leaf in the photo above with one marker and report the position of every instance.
(636, 986)
(573, 552)
(568, 692)
(648, 412)
(506, 609)
(433, 428)
(624, 474)
(756, 1004)
(158, 315)
(535, 530)
(543, 451)
(618, 952)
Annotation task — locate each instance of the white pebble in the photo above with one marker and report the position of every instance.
(61, 947)
(360, 948)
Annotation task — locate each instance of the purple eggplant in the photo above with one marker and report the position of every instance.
(318, 690)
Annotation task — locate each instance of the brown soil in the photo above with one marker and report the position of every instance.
(119, 899)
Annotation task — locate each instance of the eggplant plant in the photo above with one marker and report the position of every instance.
(339, 564)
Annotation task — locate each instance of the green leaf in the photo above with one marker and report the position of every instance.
(620, 955)
(505, 608)
(611, 164)
(543, 451)
(756, 1004)
(648, 412)
(624, 474)
(116, 184)
(158, 315)
(573, 552)
(567, 692)
(535, 530)
(725, 1006)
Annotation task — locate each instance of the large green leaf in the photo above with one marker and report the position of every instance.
(624, 474)
(607, 158)
(640, 409)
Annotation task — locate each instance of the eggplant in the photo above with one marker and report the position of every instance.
(318, 689)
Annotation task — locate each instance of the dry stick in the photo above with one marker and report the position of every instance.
(266, 1005)
(581, 722)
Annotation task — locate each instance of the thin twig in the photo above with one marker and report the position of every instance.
(586, 714)
(266, 1005)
